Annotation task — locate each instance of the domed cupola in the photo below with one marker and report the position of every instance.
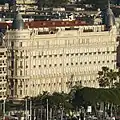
(108, 17)
(18, 22)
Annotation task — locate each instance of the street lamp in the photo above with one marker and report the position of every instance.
(4, 109)
(26, 109)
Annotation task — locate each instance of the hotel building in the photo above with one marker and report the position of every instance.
(55, 58)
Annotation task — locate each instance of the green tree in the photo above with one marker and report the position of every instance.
(91, 96)
(107, 77)
(117, 83)
(55, 100)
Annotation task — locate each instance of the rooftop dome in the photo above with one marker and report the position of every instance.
(109, 19)
(17, 22)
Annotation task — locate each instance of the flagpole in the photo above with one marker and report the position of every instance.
(47, 109)
(30, 109)
(26, 108)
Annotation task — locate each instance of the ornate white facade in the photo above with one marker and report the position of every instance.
(44, 60)
(3, 73)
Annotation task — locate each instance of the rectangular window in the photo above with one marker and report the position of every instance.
(20, 72)
(40, 56)
(76, 63)
(103, 52)
(90, 62)
(99, 52)
(67, 64)
(113, 51)
(21, 54)
(1, 53)
(20, 92)
(44, 65)
(20, 44)
(20, 63)
(45, 55)
(12, 44)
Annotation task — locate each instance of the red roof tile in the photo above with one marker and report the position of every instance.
(38, 24)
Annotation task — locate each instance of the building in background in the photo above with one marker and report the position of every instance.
(3, 70)
(26, 4)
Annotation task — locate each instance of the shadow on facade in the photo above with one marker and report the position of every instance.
(118, 52)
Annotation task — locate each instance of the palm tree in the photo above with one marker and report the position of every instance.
(107, 77)
(117, 83)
